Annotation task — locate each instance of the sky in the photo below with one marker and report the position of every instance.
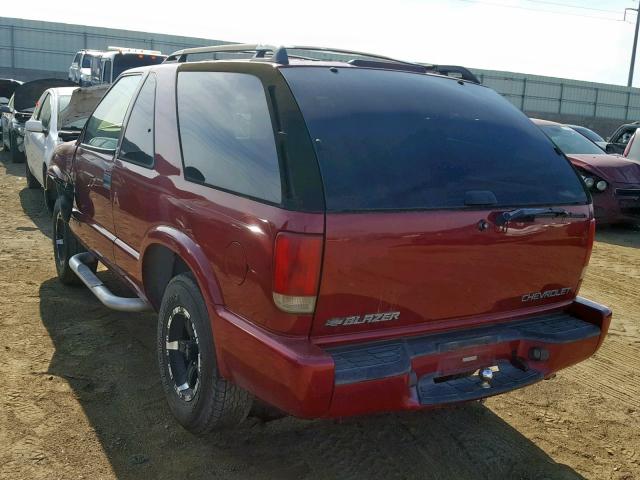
(579, 39)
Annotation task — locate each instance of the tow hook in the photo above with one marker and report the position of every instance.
(486, 375)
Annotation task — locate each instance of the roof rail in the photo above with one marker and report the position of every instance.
(447, 70)
(348, 52)
(281, 55)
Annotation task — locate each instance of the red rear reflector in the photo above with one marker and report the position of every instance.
(296, 271)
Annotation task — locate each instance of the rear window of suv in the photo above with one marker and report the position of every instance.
(388, 140)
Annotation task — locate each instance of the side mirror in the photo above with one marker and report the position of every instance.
(34, 126)
(609, 148)
(5, 109)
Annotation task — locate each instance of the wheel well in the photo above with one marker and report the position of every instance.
(159, 266)
(50, 189)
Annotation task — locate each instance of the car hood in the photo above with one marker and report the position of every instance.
(8, 86)
(612, 168)
(82, 103)
(27, 94)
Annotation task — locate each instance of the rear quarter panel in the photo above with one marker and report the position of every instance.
(234, 235)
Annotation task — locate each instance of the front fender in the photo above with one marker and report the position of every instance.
(63, 188)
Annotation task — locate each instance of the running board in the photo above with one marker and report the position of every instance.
(98, 288)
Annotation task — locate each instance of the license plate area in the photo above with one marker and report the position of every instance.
(442, 389)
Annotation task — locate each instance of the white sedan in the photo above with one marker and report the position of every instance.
(59, 116)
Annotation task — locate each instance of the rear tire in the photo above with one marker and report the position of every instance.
(65, 246)
(200, 399)
(16, 155)
(32, 181)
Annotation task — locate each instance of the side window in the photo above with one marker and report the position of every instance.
(137, 143)
(626, 136)
(77, 58)
(106, 72)
(226, 134)
(45, 113)
(39, 103)
(104, 126)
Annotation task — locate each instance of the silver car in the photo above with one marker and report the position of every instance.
(59, 117)
(80, 69)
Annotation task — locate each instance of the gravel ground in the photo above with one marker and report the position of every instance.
(80, 393)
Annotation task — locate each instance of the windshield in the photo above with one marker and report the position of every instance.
(126, 61)
(86, 61)
(590, 134)
(393, 140)
(570, 141)
(77, 123)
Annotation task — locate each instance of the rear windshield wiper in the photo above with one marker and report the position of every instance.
(529, 214)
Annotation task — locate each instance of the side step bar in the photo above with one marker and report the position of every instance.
(99, 289)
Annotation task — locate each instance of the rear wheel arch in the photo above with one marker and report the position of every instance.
(159, 265)
(168, 252)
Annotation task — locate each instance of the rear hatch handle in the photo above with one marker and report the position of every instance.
(530, 214)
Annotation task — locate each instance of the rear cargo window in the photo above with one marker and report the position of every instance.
(226, 134)
(388, 140)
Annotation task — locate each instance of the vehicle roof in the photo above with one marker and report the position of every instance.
(293, 63)
(113, 53)
(62, 90)
(630, 124)
(539, 121)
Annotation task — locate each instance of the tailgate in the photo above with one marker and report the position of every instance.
(387, 270)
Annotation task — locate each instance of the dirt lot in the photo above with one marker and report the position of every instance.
(80, 396)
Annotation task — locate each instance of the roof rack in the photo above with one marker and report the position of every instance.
(259, 51)
(453, 71)
(281, 56)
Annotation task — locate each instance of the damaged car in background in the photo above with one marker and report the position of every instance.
(80, 68)
(19, 110)
(59, 117)
(107, 66)
(7, 87)
(614, 181)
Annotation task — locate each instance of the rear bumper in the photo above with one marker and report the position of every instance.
(406, 373)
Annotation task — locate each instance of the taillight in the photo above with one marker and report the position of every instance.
(591, 235)
(590, 240)
(296, 271)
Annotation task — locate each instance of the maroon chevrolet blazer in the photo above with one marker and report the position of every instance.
(328, 238)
